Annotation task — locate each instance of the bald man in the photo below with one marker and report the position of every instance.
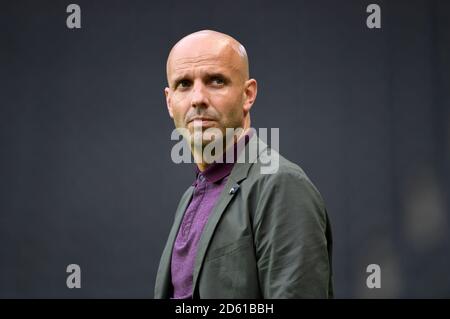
(237, 232)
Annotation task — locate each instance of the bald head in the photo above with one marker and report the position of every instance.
(204, 45)
(208, 77)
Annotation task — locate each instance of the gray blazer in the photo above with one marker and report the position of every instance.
(269, 238)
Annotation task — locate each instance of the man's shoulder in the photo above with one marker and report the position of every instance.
(271, 165)
(285, 174)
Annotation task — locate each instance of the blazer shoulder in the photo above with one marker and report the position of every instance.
(282, 168)
(286, 174)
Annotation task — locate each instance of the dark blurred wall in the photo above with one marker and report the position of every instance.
(86, 175)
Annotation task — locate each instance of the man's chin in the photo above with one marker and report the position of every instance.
(201, 144)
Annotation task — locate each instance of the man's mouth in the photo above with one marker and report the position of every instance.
(200, 119)
(203, 121)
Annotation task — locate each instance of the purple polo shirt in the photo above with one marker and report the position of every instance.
(207, 189)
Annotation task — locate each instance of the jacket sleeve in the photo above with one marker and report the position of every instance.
(292, 239)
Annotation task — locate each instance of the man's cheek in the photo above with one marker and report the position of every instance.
(180, 122)
(179, 98)
(178, 119)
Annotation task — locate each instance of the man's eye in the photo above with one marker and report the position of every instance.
(218, 81)
(184, 84)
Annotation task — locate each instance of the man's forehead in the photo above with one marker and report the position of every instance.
(204, 63)
(207, 50)
(206, 56)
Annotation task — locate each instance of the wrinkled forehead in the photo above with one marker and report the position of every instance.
(204, 53)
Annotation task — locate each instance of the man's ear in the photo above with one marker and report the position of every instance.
(169, 107)
(250, 92)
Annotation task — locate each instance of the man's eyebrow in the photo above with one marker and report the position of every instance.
(208, 76)
(178, 79)
(217, 75)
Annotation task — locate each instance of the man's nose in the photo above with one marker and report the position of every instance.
(199, 96)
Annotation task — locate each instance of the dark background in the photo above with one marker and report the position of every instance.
(86, 175)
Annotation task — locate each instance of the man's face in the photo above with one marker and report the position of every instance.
(206, 86)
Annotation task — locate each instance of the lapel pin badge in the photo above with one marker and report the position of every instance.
(234, 189)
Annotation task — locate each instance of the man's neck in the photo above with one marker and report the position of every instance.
(203, 165)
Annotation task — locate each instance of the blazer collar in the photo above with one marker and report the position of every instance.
(239, 173)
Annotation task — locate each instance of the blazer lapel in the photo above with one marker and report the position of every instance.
(163, 279)
(239, 173)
